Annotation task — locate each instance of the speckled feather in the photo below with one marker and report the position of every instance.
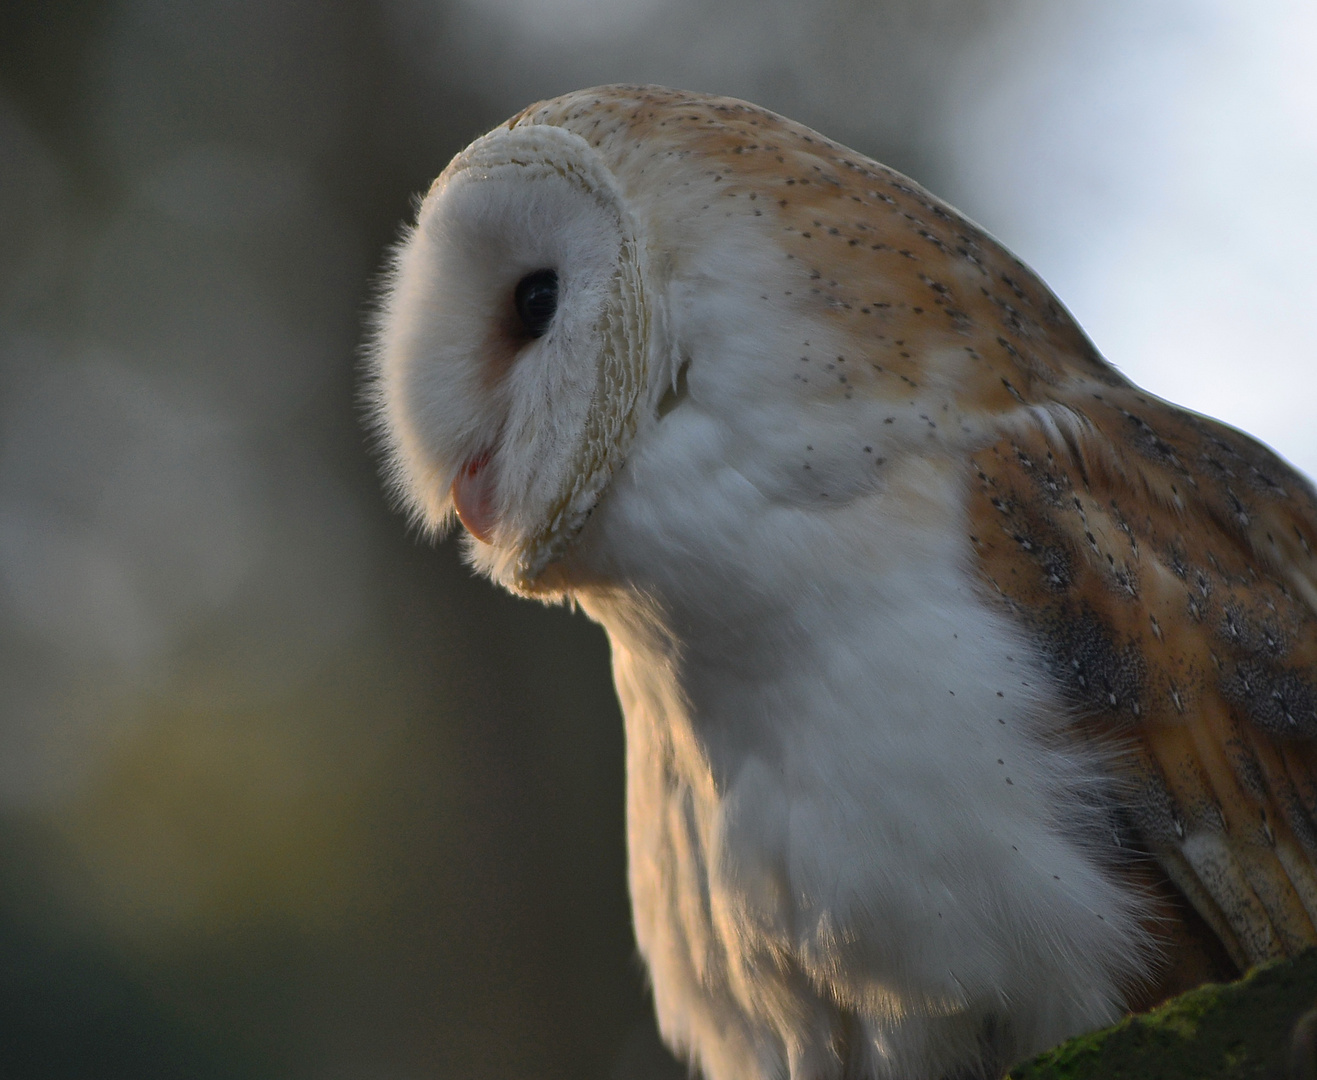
(1164, 559)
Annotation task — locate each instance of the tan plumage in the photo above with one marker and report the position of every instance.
(1164, 561)
(1156, 565)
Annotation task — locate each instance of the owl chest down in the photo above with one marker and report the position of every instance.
(856, 847)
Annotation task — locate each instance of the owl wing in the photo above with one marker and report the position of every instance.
(1165, 562)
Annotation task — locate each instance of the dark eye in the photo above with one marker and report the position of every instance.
(537, 299)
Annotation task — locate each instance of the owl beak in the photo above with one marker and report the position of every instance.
(473, 497)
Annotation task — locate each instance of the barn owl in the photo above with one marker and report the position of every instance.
(968, 689)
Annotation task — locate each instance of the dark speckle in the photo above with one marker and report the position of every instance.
(1097, 671)
(1279, 700)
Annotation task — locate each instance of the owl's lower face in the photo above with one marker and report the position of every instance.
(514, 347)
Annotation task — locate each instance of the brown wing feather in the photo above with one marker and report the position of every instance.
(1165, 561)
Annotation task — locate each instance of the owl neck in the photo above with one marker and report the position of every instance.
(728, 617)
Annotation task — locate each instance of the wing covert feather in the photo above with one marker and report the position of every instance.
(1164, 561)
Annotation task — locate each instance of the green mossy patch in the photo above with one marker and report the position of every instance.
(1232, 1031)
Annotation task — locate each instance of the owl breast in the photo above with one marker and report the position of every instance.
(851, 835)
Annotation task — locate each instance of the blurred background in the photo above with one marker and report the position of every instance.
(283, 792)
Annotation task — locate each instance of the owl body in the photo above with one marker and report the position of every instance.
(896, 881)
(952, 723)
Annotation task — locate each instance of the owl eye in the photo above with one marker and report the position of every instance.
(536, 300)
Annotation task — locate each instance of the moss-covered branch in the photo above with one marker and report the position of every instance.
(1236, 1031)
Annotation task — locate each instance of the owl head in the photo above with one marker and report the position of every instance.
(516, 349)
(568, 270)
